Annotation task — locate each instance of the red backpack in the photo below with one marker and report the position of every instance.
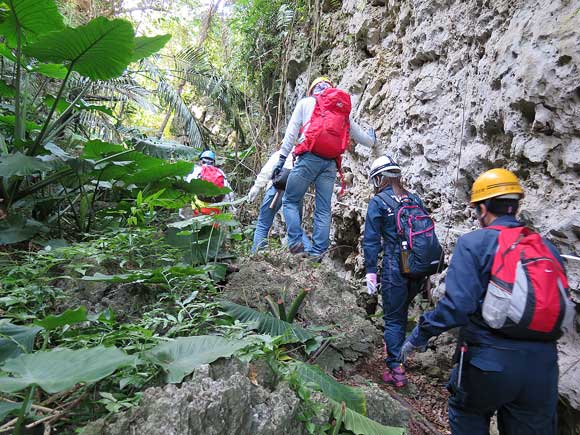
(326, 133)
(213, 175)
(527, 296)
(216, 177)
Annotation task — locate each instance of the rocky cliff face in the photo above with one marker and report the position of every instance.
(453, 88)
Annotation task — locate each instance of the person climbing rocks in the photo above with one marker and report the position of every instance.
(272, 201)
(319, 128)
(208, 171)
(381, 233)
(506, 288)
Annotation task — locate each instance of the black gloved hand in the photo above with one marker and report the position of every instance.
(278, 166)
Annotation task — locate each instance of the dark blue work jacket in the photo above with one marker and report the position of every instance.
(381, 229)
(465, 286)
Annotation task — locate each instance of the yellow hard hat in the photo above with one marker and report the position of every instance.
(316, 81)
(495, 182)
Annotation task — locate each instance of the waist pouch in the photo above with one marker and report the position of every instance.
(279, 182)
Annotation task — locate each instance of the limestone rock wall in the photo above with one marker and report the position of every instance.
(496, 79)
(453, 88)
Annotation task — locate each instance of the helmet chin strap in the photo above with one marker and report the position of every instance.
(380, 182)
(481, 216)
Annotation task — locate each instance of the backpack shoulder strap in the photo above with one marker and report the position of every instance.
(389, 200)
(510, 235)
(307, 123)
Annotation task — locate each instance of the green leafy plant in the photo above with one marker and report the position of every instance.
(16, 339)
(182, 355)
(37, 42)
(359, 424)
(202, 237)
(314, 377)
(60, 369)
(348, 403)
(55, 370)
(265, 323)
(278, 307)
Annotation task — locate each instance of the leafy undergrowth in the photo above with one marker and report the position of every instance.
(97, 360)
(87, 327)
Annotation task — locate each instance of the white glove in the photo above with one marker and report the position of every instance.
(409, 348)
(371, 283)
(253, 194)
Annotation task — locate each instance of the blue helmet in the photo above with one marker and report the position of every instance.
(207, 155)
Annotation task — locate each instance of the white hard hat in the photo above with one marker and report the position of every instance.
(385, 166)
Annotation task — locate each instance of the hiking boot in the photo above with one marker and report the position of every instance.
(396, 376)
(298, 248)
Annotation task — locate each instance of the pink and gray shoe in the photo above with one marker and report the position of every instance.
(396, 376)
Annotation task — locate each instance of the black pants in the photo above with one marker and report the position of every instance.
(521, 385)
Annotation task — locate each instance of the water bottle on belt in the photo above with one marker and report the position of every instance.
(405, 257)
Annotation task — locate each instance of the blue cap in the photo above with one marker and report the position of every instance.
(207, 154)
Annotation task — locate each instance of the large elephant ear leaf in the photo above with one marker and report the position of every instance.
(16, 339)
(99, 50)
(30, 18)
(314, 376)
(145, 46)
(21, 165)
(60, 369)
(184, 354)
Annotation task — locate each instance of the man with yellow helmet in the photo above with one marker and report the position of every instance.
(515, 376)
(312, 167)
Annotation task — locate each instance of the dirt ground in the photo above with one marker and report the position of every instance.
(425, 393)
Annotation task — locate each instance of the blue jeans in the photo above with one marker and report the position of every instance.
(397, 292)
(265, 220)
(521, 385)
(310, 169)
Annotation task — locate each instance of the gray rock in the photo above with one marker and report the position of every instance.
(226, 398)
(331, 302)
(384, 409)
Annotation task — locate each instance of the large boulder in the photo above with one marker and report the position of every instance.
(229, 397)
(225, 398)
(331, 302)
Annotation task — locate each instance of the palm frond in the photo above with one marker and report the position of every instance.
(165, 149)
(125, 89)
(101, 126)
(265, 323)
(197, 134)
(192, 58)
(285, 17)
(194, 68)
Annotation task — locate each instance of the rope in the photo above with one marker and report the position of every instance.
(454, 195)
(570, 257)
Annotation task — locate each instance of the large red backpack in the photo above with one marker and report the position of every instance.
(213, 175)
(326, 134)
(216, 177)
(527, 296)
